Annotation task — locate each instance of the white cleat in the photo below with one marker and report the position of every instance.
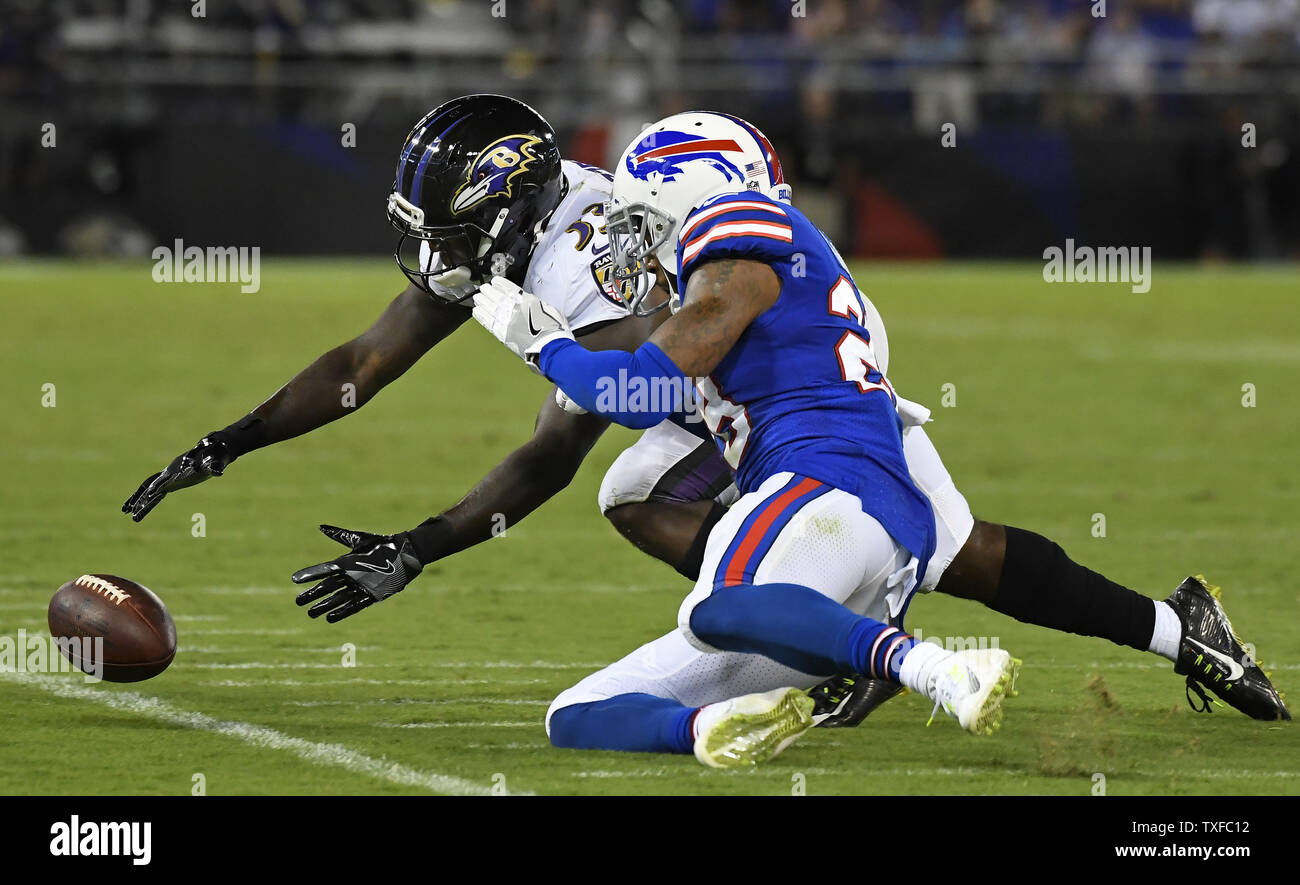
(752, 728)
(972, 685)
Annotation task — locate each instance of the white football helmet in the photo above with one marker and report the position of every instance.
(669, 170)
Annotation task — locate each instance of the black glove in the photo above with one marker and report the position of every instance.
(377, 567)
(209, 458)
(846, 700)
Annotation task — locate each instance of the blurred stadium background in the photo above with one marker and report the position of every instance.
(229, 127)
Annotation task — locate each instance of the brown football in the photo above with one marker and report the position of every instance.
(138, 632)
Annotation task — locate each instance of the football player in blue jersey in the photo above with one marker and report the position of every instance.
(845, 511)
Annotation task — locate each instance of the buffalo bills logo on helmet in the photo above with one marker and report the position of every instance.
(494, 171)
(665, 152)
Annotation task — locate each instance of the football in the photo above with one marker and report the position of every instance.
(138, 633)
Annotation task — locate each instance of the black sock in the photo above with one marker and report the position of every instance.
(1041, 585)
(690, 565)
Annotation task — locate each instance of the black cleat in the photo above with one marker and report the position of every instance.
(1211, 655)
(844, 701)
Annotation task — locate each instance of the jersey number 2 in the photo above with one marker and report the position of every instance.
(857, 358)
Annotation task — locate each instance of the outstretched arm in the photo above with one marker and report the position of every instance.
(522, 482)
(407, 329)
(412, 324)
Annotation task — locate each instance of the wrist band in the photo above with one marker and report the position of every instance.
(431, 539)
(246, 434)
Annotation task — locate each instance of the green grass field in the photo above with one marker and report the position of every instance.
(1071, 400)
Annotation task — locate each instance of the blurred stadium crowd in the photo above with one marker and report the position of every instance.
(846, 89)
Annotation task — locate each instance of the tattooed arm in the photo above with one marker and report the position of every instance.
(722, 298)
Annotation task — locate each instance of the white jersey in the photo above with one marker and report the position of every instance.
(571, 268)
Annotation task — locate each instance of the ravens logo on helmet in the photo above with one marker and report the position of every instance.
(495, 169)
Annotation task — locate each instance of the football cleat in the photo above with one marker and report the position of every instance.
(844, 701)
(1210, 654)
(750, 729)
(972, 685)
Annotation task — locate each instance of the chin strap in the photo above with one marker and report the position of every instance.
(454, 285)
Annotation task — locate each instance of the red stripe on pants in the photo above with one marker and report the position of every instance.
(736, 568)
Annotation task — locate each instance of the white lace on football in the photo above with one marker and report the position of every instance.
(108, 588)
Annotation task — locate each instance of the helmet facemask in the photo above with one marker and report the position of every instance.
(637, 233)
(458, 257)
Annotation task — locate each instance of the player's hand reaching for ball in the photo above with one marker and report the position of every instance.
(207, 459)
(377, 567)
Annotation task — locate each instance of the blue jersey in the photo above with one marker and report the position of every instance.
(802, 390)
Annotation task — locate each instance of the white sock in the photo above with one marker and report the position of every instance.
(1168, 632)
(920, 665)
(695, 721)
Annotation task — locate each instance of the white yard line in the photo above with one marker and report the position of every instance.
(455, 665)
(325, 650)
(520, 665)
(286, 665)
(248, 649)
(645, 772)
(619, 589)
(245, 649)
(328, 755)
(536, 723)
(963, 772)
(420, 702)
(334, 649)
(227, 631)
(314, 683)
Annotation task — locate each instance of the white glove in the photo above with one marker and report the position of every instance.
(452, 285)
(522, 322)
(913, 414)
(562, 400)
